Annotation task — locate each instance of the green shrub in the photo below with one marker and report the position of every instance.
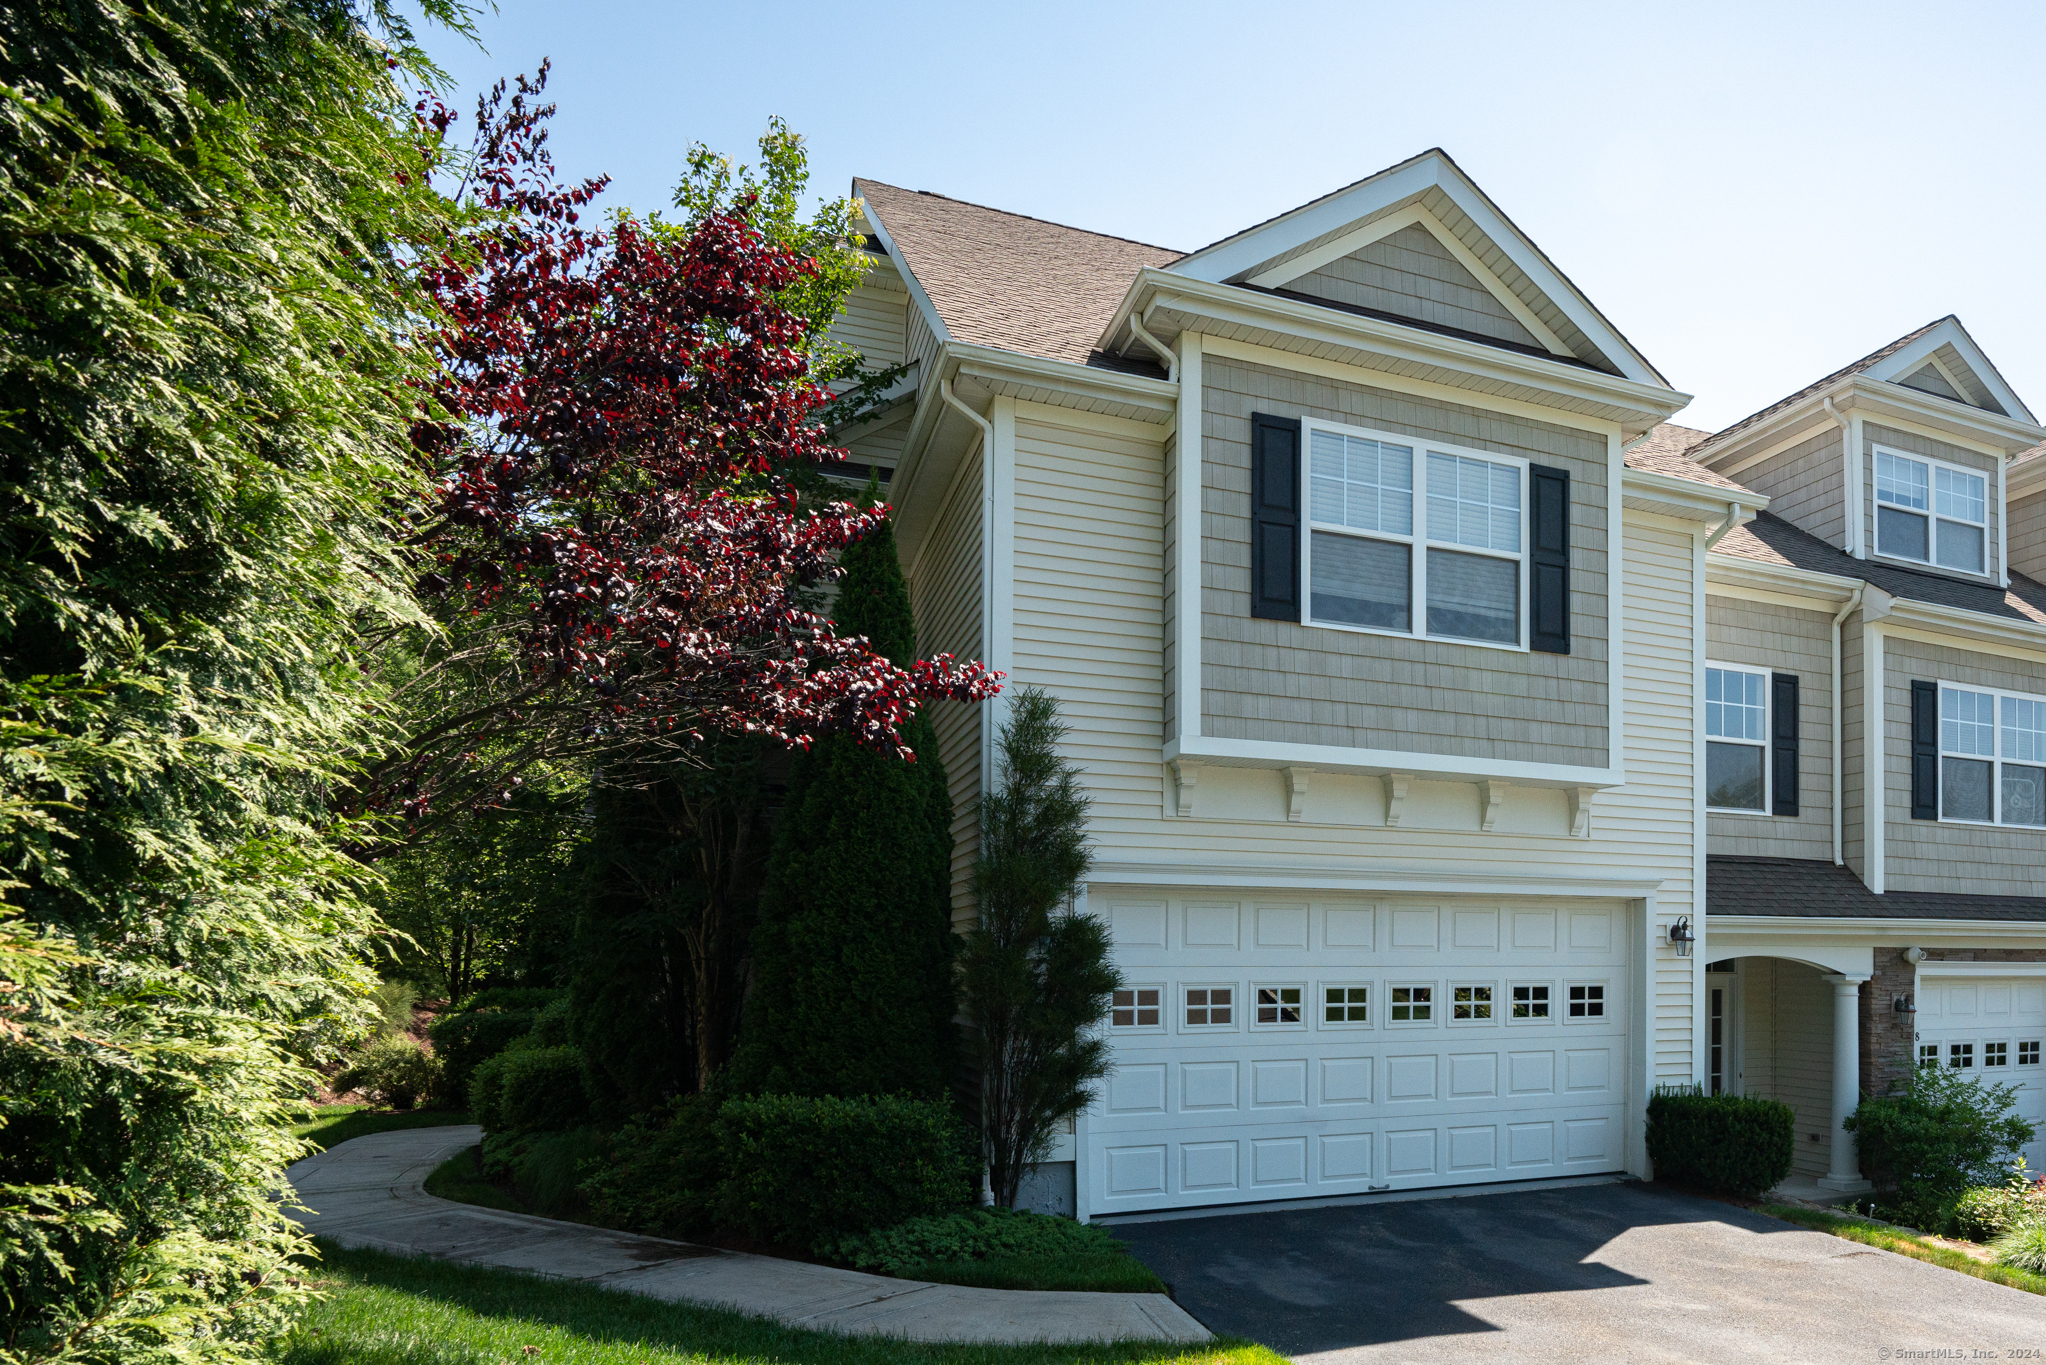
(1938, 1133)
(486, 1094)
(1733, 1143)
(2022, 1248)
(661, 1174)
(526, 999)
(541, 1090)
(391, 1071)
(550, 1026)
(543, 1169)
(971, 1235)
(465, 1041)
(1986, 1212)
(394, 1006)
(808, 1171)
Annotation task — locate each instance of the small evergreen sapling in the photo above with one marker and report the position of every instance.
(1035, 974)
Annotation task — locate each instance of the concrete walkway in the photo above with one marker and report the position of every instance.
(368, 1192)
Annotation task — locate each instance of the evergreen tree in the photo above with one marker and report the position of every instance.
(852, 988)
(1035, 977)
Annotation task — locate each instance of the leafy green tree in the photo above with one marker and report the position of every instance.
(852, 959)
(206, 213)
(1035, 975)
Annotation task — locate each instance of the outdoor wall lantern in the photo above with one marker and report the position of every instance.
(1905, 1005)
(1680, 934)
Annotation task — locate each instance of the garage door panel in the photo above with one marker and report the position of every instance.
(1463, 1090)
(1980, 1026)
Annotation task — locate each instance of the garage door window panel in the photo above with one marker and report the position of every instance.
(1992, 757)
(1412, 1006)
(1995, 1054)
(1531, 1003)
(1280, 1005)
(1137, 1009)
(1413, 539)
(1472, 1003)
(1208, 1007)
(1961, 1056)
(1345, 1005)
(1587, 1002)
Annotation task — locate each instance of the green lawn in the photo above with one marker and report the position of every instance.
(328, 1124)
(1895, 1239)
(394, 1310)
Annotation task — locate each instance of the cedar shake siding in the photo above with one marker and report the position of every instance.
(1787, 640)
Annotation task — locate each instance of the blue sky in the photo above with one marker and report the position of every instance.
(1754, 194)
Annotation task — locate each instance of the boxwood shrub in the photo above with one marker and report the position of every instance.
(806, 1172)
(465, 1041)
(1732, 1143)
(530, 1090)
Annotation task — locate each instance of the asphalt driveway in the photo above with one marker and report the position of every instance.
(1622, 1272)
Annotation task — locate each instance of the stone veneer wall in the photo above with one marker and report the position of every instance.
(1888, 1043)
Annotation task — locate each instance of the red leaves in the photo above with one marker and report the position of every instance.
(611, 427)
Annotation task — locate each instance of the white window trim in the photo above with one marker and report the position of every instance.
(1235, 989)
(1541, 1021)
(1164, 1011)
(1995, 760)
(1766, 744)
(1931, 513)
(1306, 1004)
(1417, 542)
(1495, 1002)
(1372, 1004)
(1435, 1004)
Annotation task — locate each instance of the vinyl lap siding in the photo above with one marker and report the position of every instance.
(944, 590)
(1787, 1040)
(1284, 682)
(1412, 275)
(1782, 640)
(873, 320)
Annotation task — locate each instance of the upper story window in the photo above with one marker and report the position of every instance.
(1992, 762)
(1368, 566)
(1930, 512)
(1736, 738)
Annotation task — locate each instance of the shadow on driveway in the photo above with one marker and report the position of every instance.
(1631, 1271)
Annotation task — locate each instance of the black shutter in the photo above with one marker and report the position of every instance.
(1274, 517)
(1783, 743)
(1548, 519)
(1924, 748)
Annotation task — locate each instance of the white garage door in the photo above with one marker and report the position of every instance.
(1284, 1049)
(1990, 1027)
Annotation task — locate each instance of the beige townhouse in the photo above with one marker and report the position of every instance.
(1472, 749)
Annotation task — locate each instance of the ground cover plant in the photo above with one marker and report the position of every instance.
(389, 1310)
(1870, 1232)
(1000, 1249)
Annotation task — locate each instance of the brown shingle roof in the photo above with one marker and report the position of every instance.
(1819, 890)
(1872, 358)
(1769, 539)
(1661, 451)
(1002, 279)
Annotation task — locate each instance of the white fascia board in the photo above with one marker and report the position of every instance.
(1154, 396)
(1645, 490)
(1247, 308)
(2025, 478)
(1967, 630)
(1331, 758)
(1743, 575)
(1931, 967)
(916, 289)
(1884, 930)
(1912, 358)
(1876, 398)
(1296, 877)
(1239, 256)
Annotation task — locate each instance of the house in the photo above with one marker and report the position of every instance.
(1472, 748)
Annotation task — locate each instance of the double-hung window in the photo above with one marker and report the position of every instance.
(1930, 512)
(1416, 539)
(1992, 756)
(1736, 738)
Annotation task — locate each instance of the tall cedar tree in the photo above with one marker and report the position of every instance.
(852, 990)
(1035, 976)
(206, 212)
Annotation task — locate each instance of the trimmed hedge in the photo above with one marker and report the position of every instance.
(806, 1172)
(465, 1041)
(530, 1090)
(1731, 1143)
(660, 1173)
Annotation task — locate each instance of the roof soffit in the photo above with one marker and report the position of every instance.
(1436, 184)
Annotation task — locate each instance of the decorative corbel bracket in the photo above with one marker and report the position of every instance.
(1495, 797)
(1186, 773)
(1580, 811)
(1296, 793)
(1395, 795)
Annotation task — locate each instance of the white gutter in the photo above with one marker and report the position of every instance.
(1168, 357)
(1839, 764)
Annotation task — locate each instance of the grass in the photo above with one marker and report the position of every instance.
(329, 1124)
(1918, 1248)
(394, 1310)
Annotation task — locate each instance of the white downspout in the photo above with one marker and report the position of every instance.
(1733, 519)
(1839, 762)
(1169, 357)
(1850, 479)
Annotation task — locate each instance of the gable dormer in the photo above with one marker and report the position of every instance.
(1897, 458)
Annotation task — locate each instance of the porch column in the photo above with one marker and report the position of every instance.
(1844, 1173)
